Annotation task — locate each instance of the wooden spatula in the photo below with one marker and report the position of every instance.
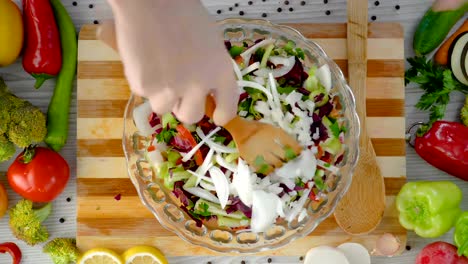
(259, 144)
(362, 208)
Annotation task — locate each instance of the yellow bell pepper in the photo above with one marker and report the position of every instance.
(11, 32)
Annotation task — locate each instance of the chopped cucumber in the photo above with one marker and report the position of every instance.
(191, 182)
(231, 222)
(169, 119)
(332, 145)
(216, 210)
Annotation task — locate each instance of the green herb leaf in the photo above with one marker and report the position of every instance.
(166, 135)
(335, 129)
(203, 209)
(286, 89)
(437, 84)
(219, 139)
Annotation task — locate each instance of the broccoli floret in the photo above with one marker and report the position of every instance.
(464, 112)
(23, 128)
(21, 122)
(62, 250)
(26, 222)
(7, 149)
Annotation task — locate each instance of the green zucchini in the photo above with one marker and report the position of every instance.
(434, 27)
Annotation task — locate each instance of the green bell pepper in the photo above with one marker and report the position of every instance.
(429, 208)
(461, 234)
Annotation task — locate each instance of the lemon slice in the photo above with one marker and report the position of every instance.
(100, 256)
(144, 255)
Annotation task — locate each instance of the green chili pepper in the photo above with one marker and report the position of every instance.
(429, 208)
(59, 107)
(461, 234)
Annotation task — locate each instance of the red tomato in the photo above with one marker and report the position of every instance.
(184, 133)
(440, 253)
(42, 179)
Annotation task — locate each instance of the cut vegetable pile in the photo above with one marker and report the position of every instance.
(201, 165)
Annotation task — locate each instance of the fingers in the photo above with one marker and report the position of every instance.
(191, 108)
(106, 33)
(444, 5)
(227, 99)
(163, 102)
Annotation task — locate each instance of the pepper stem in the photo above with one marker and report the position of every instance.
(28, 154)
(40, 79)
(462, 248)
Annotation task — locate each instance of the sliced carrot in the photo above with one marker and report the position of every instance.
(442, 54)
(185, 134)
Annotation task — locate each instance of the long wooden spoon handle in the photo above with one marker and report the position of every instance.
(357, 57)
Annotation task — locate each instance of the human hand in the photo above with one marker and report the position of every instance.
(173, 55)
(444, 5)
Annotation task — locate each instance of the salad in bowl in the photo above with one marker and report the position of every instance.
(207, 191)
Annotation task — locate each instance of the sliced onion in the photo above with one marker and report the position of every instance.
(264, 210)
(256, 86)
(298, 206)
(242, 182)
(252, 67)
(278, 72)
(155, 157)
(223, 163)
(213, 145)
(190, 154)
(207, 186)
(274, 92)
(237, 70)
(204, 194)
(325, 255)
(221, 184)
(355, 253)
(277, 60)
(206, 165)
(246, 54)
(328, 166)
(323, 74)
(200, 177)
(141, 114)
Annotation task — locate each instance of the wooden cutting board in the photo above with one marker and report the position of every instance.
(103, 220)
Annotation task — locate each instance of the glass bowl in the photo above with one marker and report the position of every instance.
(165, 206)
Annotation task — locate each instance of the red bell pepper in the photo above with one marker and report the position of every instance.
(13, 250)
(445, 146)
(42, 57)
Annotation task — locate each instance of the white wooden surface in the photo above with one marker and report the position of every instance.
(314, 11)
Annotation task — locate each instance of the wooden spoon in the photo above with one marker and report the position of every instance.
(362, 207)
(257, 140)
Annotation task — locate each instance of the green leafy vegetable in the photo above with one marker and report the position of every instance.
(203, 209)
(166, 135)
(285, 89)
(335, 129)
(437, 84)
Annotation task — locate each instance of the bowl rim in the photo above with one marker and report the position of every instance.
(305, 231)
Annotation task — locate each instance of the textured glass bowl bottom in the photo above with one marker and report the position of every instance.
(165, 206)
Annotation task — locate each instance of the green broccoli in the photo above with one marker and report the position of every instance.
(7, 149)
(26, 222)
(464, 112)
(20, 122)
(62, 250)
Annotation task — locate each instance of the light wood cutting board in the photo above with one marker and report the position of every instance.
(105, 221)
